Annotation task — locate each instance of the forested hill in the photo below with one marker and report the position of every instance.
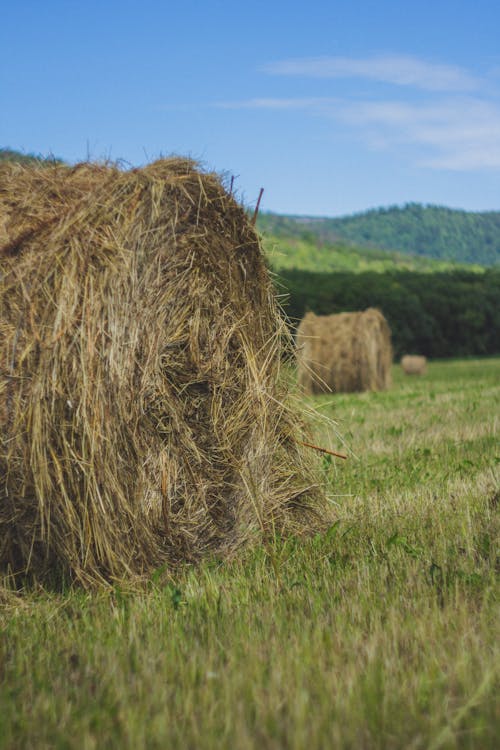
(431, 231)
(9, 155)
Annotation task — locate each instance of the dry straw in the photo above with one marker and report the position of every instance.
(142, 413)
(344, 353)
(414, 364)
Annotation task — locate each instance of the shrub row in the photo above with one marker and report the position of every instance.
(448, 314)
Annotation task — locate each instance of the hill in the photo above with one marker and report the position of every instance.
(420, 230)
(9, 154)
(309, 253)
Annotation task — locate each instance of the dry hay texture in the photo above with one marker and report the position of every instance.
(143, 417)
(414, 364)
(344, 353)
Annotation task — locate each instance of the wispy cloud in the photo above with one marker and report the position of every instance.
(277, 103)
(462, 134)
(456, 126)
(401, 70)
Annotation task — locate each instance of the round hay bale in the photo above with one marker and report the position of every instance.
(414, 364)
(142, 413)
(344, 353)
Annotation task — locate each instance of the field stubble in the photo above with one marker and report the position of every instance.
(382, 633)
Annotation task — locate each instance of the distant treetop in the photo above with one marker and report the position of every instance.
(10, 154)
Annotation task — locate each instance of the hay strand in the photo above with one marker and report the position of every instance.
(324, 450)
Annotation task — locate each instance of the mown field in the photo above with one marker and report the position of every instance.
(382, 633)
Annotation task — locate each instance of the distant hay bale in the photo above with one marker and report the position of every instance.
(142, 413)
(414, 364)
(344, 353)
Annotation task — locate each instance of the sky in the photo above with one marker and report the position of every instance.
(332, 107)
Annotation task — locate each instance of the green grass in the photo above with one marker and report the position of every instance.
(382, 633)
(308, 253)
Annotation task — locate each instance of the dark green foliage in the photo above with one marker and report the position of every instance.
(432, 231)
(10, 155)
(448, 314)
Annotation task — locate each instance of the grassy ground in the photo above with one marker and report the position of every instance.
(308, 254)
(381, 634)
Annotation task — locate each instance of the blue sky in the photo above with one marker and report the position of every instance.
(332, 107)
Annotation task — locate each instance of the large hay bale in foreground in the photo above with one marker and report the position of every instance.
(141, 410)
(414, 364)
(344, 353)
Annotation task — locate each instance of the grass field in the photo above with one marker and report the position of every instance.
(308, 254)
(383, 633)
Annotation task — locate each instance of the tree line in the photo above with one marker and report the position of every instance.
(447, 314)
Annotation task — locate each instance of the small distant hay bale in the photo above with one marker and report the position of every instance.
(344, 353)
(142, 413)
(414, 364)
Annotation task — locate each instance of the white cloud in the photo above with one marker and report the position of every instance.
(470, 160)
(462, 134)
(401, 70)
(456, 126)
(458, 134)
